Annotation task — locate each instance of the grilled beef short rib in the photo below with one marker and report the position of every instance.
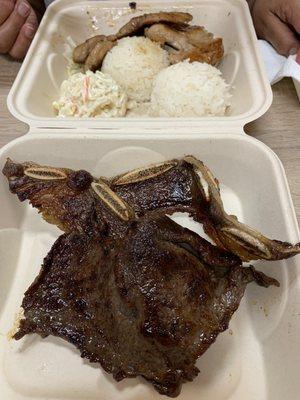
(145, 305)
(180, 185)
(130, 288)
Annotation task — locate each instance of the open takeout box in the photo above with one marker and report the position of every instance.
(45, 67)
(259, 357)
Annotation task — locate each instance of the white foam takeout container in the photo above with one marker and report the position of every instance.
(44, 68)
(259, 356)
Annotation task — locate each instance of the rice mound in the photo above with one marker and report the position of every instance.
(189, 90)
(133, 64)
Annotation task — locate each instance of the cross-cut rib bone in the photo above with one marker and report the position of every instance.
(143, 174)
(187, 185)
(45, 173)
(114, 202)
(234, 236)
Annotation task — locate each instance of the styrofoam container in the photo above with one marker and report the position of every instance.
(257, 358)
(38, 82)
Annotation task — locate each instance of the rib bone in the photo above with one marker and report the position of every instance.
(143, 174)
(234, 236)
(45, 173)
(114, 202)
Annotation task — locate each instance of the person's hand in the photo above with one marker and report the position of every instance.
(18, 24)
(278, 22)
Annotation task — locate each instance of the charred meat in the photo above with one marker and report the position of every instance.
(169, 29)
(131, 289)
(147, 305)
(191, 42)
(178, 185)
(191, 187)
(136, 24)
(69, 199)
(226, 230)
(97, 55)
(81, 52)
(132, 5)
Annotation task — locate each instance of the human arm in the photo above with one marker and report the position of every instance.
(278, 22)
(19, 21)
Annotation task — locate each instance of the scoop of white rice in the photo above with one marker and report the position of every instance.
(189, 90)
(134, 63)
(91, 95)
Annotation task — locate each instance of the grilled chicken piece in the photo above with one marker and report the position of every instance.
(176, 185)
(87, 53)
(192, 42)
(137, 23)
(81, 52)
(97, 55)
(148, 304)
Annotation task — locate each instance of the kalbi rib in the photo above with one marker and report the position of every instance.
(177, 185)
(227, 231)
(72, 203)
(148, 304)
(138, 294)
(191, 187)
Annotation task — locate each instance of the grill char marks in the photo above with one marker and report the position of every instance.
(82, 51)
(191, 42)
(182, 185)
(184, 42)
(130, 288)
(97, 54)
(138, 23)
(91, 53)
(147, 304)
(191, 187)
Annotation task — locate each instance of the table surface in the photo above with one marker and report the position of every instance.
(279, 128)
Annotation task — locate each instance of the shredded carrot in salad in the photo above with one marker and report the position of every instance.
(85, 90)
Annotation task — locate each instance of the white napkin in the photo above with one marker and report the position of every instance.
(278, 66)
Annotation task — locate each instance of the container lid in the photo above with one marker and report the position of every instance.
(45, 66)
